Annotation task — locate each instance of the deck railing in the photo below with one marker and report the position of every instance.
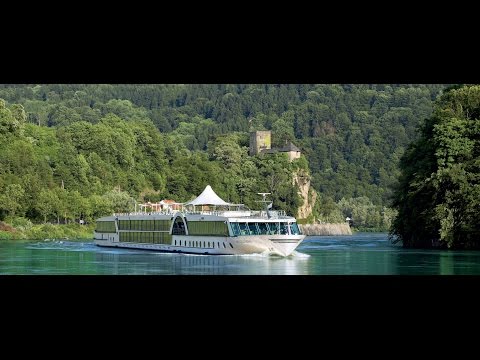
(274, 214)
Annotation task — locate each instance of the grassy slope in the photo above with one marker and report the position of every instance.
(49, 231)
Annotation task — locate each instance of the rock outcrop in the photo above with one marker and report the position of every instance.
(307, 193)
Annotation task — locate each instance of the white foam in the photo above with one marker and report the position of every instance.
(265, 254)
(299, 255)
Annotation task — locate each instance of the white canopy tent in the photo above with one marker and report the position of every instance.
(208, 197)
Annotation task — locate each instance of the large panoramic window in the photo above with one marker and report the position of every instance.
(253, 228)
(211, 228)
(244, 230)
(263, 227)
(162, 225)
(146, 237)
(105, 226)
(146, 225)
(124, 225)
(162, 238)
(295, 230)
(274, 228)
(235, 228)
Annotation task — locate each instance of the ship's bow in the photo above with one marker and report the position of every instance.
(285, 246)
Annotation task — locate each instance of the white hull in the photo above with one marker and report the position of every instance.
(282, 245)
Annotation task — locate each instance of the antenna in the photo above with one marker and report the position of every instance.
(265, 201)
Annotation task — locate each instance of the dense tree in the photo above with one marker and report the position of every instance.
(119, 201)
(47, 204)
(11, 120)
(439, 190)
(13, 199)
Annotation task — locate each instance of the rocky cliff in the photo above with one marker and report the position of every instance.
(307, 193)
(302, 179)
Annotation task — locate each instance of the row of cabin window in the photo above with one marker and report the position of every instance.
(146, 237)
(105, 226)
(206, 244)
(146, 225)
(272, 228)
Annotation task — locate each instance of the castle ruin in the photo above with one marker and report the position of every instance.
(261, 141)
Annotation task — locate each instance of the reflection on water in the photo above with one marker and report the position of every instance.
(446, 264)
(365, 254)
(119, 262)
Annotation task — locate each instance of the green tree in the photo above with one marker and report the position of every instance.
(227, 150)
(439, 190)
(327, 210)
(98, 206)
(119, 201)
(47, 203)
(282, 132)
(78, 206)
(13, 198)
(11, 120)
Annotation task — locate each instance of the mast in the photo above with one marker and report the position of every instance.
(265, 201)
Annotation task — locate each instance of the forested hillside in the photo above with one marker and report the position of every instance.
(71, 151)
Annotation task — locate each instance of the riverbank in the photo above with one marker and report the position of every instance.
(47, 231)
(326, 229)
(77, 231)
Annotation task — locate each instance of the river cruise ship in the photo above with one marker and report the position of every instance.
(206, 225)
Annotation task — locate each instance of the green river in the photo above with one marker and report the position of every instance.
(359, 254)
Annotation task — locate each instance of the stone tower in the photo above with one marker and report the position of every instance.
(260, 140)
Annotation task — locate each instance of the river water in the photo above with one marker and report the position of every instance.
(359, 254)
